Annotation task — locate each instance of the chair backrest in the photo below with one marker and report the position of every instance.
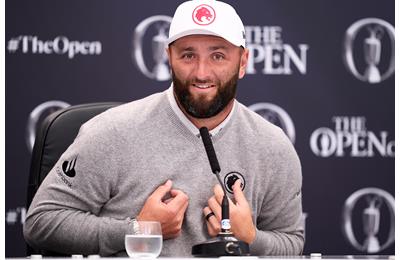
(54, 136)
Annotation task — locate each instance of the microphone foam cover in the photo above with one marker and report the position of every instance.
(212, 157)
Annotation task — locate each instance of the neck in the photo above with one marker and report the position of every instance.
(211, 122)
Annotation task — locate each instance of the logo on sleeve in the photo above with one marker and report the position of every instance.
(231, 178)
(203, 15)
(68, 167)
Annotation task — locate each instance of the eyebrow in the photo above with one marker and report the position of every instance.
(212, 48)
(188, 49)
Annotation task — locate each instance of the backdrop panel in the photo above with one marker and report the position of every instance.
(321, 70)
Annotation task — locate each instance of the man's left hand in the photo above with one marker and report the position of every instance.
(241, 220)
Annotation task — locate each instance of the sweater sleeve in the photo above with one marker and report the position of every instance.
(64, 214)
(279, 225)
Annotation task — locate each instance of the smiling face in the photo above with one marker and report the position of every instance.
(205, 70)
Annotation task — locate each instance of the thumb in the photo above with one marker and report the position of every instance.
(161, 190)
(238, 193)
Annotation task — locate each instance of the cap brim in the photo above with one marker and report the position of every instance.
(195, 32)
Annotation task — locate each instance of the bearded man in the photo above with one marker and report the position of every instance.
(145, 160)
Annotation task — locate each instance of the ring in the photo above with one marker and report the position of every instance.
(209, 215)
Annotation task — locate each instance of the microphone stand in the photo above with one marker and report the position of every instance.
(225, 244)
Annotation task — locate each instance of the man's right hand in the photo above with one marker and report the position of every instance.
(169, 213)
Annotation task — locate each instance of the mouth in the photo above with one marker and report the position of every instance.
(203, 86)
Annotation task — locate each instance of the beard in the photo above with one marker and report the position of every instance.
(201, 107)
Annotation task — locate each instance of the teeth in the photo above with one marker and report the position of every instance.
(203, 86)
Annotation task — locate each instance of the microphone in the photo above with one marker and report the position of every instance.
(225, 244)
(216, 169)
(212, 157)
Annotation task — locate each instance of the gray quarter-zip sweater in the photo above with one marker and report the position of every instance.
(122, 155)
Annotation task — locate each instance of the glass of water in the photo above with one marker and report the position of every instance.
(147, 242)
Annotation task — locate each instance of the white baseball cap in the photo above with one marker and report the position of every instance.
(207, 17)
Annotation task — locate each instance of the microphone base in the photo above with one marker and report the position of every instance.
(222, 245)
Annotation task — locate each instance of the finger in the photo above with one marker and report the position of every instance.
(213, 225)
(208, 213)
(179, 200)
(175, 192)
(218, 193)
(238, 193)
(182, 210)
(167, 200)
(215, 207)
(211, 231)
(162, 190)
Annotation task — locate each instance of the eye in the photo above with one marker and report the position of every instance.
(218, 56)
(188, 56)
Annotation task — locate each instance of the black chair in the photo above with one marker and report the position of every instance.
(54, 136)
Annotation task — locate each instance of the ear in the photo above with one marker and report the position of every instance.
(243, 63)
(168, 51)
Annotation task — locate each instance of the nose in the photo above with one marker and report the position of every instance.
(202, 70)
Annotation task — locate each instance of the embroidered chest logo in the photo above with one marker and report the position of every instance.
(203, 15)
(230, 179)
(68, 167)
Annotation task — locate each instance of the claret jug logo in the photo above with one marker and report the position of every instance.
(277, 116)
(149, 40)
(37, 116)
(372, 207)
(203, 15)
(374, 40)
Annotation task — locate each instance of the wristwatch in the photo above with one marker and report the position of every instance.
(135, 226)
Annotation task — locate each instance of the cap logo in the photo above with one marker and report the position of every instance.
(203, 15)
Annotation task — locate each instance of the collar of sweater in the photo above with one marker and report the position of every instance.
(187, 123)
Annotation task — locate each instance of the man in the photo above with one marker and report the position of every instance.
(145, 160)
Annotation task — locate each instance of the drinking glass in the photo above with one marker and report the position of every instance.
(147, 242)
